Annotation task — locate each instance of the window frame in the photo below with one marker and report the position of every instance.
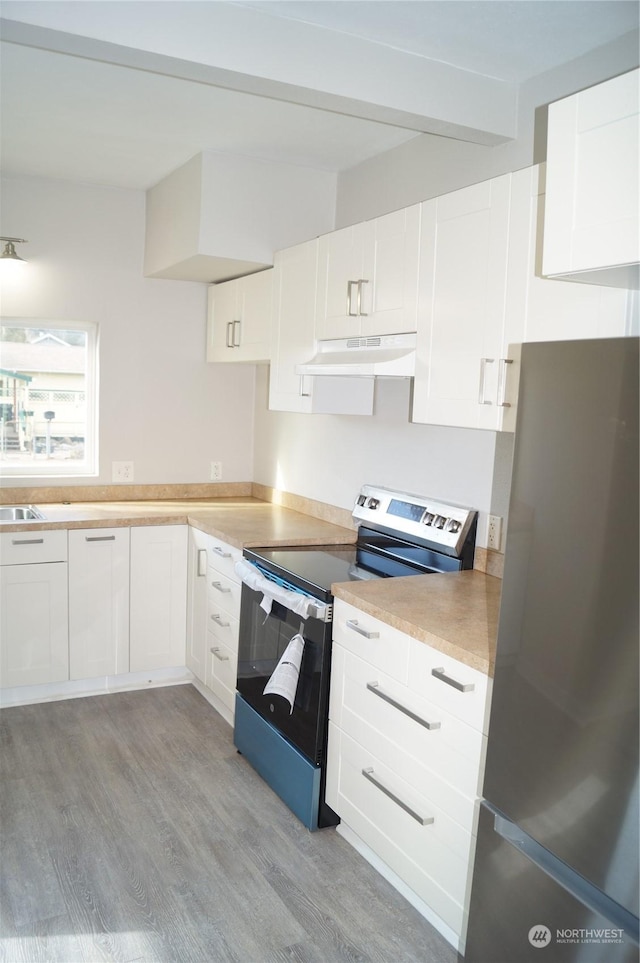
(88, 467)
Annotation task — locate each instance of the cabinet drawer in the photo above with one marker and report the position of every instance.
(450, 684)
(224, 592)
(444, 762)
(222, 557)
(433, 859)
(223, 625)
(222, 669)
(379, 644)
(17, 548)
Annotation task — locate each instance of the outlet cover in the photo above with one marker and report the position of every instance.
(122, 471)
(216, 471)
(494, 532)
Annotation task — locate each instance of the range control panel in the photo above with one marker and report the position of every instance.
(415, 516)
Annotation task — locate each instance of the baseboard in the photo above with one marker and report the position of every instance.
(55, 691)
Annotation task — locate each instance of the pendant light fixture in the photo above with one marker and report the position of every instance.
(9, 250)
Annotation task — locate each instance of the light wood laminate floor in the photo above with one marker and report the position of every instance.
(133, 831)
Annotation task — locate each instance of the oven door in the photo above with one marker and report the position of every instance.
(262, 641)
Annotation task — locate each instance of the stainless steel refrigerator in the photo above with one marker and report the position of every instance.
(556, 871)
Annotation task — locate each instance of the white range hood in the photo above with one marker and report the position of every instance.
(388, 356)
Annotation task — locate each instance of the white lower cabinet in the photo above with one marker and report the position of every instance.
(98, 602)
(158, 604)
(34, 633)
(407, 741)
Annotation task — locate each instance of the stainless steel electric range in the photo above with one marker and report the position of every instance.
(284, 655)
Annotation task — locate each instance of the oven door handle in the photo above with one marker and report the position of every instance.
(304, 605)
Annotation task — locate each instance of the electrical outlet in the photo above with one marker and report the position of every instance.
(122, 471)
(494, 532)
(216, 471)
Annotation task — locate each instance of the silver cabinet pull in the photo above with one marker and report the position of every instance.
(350, 312)
(99, 538)
(375, 688)
(220, 587)
(362, 313)
(221, 552)
(202, 562)
(27, 541)
(369, 774)
(301, 391)
(353, 624)
(219, 621)
(502, 382)
(235, 327)
(229, 334)
(461, 686)
(216, 651)
(483, 372)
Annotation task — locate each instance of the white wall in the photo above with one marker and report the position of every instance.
(161, 405)
(428, 166)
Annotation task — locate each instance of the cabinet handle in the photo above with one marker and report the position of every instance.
(218, 620)
(220, 587)
(362, 313)
(350, 312)
(353, 624)
(229, 337)
(99, 538)
(369, 774)
(234, 343)
(221, 552)
(502, 382)
(302, 392)
(27, 541)
(202, 562)
(461, 686)
(375, 688)
(216, 651)
(483, 371)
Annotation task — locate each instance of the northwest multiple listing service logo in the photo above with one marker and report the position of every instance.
(541, 936)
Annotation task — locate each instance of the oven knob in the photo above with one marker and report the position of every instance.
(428, 518)
(362, 500)
(453, 525)
(373, 503)
(440, 521)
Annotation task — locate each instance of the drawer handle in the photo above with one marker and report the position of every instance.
(99, 538)
(375, 688)
(353, 624)
(202, 562)
(216, 652)
(461, 686)
(27, 541)
(218, 620)
(220, 587)
(221, 552)
(369, 774)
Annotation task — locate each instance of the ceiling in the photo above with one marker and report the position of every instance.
(88, 110)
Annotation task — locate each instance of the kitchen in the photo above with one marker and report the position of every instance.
(82, 237)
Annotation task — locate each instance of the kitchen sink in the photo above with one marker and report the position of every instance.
(20, 513)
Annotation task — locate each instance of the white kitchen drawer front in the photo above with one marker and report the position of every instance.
(222, 557)
(222, 670)
(431, 858)
(372, 640)
(443, 762)
(33, 547)
(224, 592)
(223, 625)
(451, 684)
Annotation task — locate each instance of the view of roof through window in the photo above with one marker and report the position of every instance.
(45, 404)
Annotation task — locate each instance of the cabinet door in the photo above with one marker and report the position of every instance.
(34, 630)
(98, 602)
(463, 274)
(158, 597)
(340, 267)
(223, 318)
(197, 603)
(591, 219)
(389, 298)
(252, 335)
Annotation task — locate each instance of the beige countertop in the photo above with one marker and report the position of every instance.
(456, 612)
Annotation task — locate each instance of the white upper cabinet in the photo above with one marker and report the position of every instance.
(592, 217)
(368, 277)
(239, 319)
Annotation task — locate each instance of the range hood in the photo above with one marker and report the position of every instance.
(388, 356)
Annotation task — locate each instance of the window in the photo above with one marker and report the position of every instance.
(48, 398)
